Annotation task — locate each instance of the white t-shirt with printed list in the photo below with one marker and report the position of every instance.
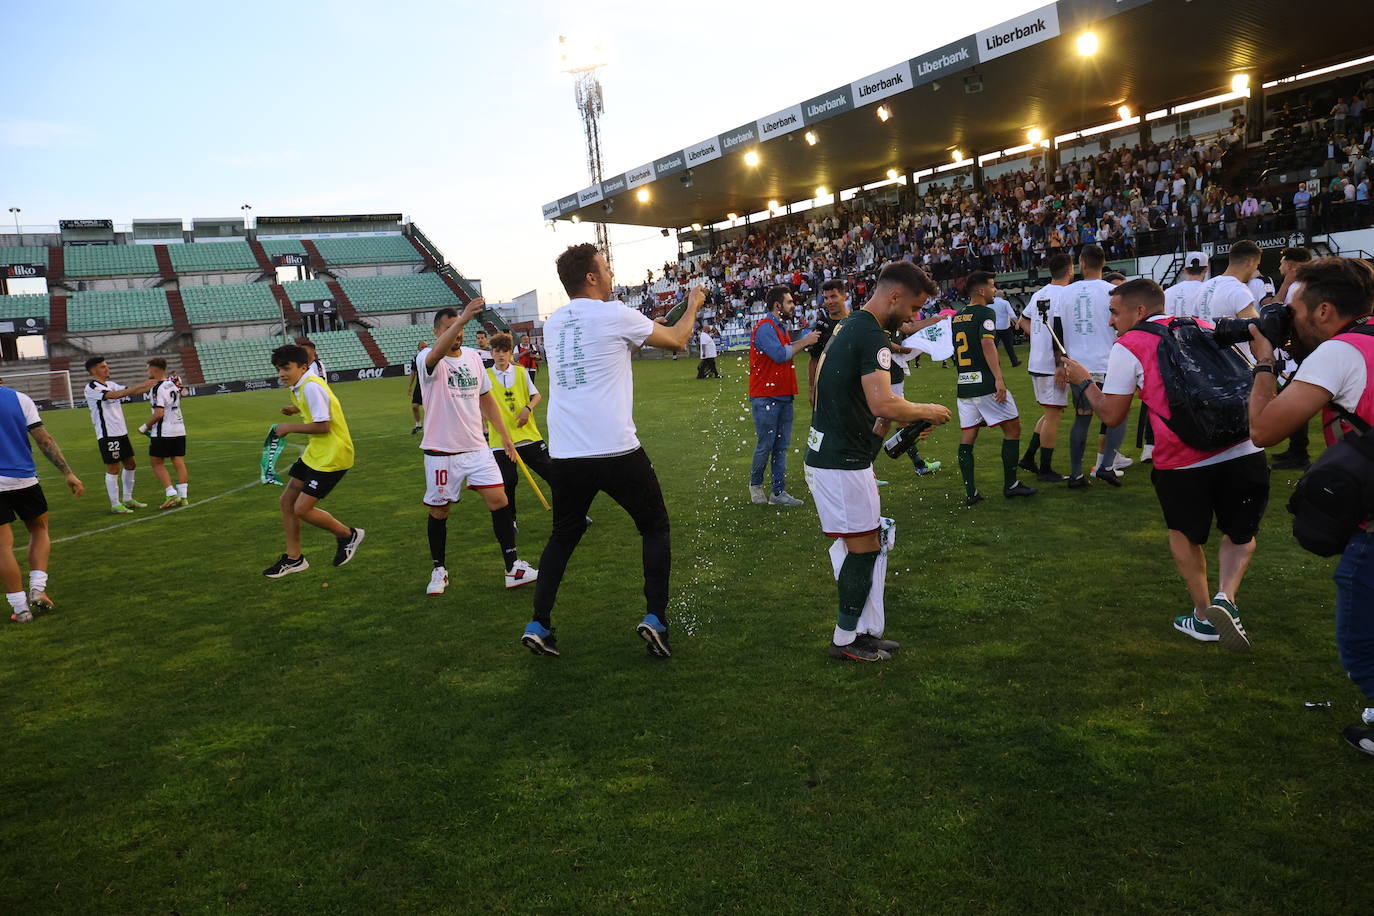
(588, 344)
(1088, 335)
(1222, 297)
(1180, 300)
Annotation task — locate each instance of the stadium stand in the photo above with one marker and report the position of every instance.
(110, 261)
(233, 360)
(307, 290)
(230, 304)
(398, 344)
(342, 350)
(389, 249)
(205, 257)
(118, 310)
(399, 293)
(24, 306)
(23, 255)
(274, 247)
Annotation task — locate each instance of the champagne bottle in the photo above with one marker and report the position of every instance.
(676, 313)
(897, 444)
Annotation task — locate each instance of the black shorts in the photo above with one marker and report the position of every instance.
(316, 483)
(26, 504)
(167, 447)
(1236, 492)
(115, 449)
(417, 396)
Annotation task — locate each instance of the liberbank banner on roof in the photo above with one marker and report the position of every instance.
(1007, 38)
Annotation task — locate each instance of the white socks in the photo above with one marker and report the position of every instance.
(112, 488)
(38, 578)
(181, 490)
(843, 637)
(18, 601)
(128, 476)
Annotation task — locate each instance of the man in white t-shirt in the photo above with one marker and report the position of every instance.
(1331, 308)
(707, 342)
(316, 367)
(166, 431)
(1006, 327)
(103, 397)
(1181, 298)
(484, 349)
(1193, 485)
(458, 405)
(1088, 337)
(592, 440)
(21, 497)
(1295, 458)
(1229, 295)
(1042, 320)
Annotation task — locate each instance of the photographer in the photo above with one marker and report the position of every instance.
(1193, 485)
(1330, 306)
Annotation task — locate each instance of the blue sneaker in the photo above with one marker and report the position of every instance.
(539, 639)
(655, 636)
(930, 467)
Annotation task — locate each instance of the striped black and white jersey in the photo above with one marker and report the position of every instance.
(166, 395)
(107, 416)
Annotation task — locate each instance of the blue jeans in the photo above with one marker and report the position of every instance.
(1355, 610)
(773, 424)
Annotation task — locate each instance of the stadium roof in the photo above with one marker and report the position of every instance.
(1152, 54)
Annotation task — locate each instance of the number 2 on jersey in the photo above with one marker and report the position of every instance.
(961, 349)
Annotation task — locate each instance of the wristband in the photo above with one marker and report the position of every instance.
(1260, 369)
(1082, 387)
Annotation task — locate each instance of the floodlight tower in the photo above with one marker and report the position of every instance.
(582, 61)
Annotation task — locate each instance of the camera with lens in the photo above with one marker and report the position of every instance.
(1275, 323)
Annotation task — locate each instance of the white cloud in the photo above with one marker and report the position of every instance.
(35, 134)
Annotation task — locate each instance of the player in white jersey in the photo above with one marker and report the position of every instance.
(316, 367)
(112, 434)
(1088, 336)
(1181, 298)
(1042, 320)
(1228, 295)
(166, 431)
(457, 399)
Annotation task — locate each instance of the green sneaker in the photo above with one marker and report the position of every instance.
(1225, 620)
(121, 509)
(1201, 630)
(135, 504)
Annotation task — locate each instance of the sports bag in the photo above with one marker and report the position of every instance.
(1208, 387)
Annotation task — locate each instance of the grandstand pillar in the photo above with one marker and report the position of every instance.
(976, 175)
(1254, 117)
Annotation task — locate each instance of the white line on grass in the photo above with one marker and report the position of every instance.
(148, 518)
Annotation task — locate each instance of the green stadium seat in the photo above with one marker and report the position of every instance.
(110, 310)
(398, 344)
(204, 257)
(34, 305)
(304, 290)
(341, 350)
(23, 255)
(411, 292)
(231, 303)
(109, 261)
(236, 360)
(384, 249)
(274, 247)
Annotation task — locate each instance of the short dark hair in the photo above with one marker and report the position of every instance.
(1113, 275)
(93, 361)
(157, 362)
(836, 285)
(573, 266)
(1347, 283)
(481, 332)
(978, 278)
(1297, 255)
(290, 353)
(1059, 265)
(775, 294)
(445, 312)
(904, 273)
(1092, 257)
(502, 343)
(1244, 250)
(1141, 291)
(305, 342)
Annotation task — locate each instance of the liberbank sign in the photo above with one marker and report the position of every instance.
(1014, 35)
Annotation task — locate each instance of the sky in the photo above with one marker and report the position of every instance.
(454, 114)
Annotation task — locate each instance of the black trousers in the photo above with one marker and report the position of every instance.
(630, 481)
(536, 457)
(1008, 338)
(707, 368)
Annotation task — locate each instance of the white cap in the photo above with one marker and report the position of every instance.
(1195, 259)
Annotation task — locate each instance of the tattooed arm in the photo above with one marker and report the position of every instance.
(53, 452)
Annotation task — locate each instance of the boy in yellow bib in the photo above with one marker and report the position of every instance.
(327, 458)
(515, 394)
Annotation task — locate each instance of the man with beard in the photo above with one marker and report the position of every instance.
(835, 309)
(772, 388)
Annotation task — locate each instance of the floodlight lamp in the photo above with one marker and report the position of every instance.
(1087, 44)
(642, 195)
(1240, 82)
(1033, 135)
(821, 191)
(958, 155)
(772, 205)
(732, 216)
(891, 174)
(696, 227)
(686, 178)
(884, 112)
(751, 158)
(576, 218)
(1124, 112)
(811, 137)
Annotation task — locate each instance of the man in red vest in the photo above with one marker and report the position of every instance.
(772, 388)
(1331, 306)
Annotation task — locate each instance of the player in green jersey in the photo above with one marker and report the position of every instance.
(983, 396)
(855, 406)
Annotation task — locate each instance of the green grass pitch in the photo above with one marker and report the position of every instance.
(183, 735)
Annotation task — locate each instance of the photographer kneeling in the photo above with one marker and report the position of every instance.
(1229, 481)
(1329, 312)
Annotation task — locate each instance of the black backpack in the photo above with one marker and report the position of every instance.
(1208, 387)
(1336, 495)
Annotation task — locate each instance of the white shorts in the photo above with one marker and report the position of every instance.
(1047, 393)
(846, 501)
(984, 411)
(445, 475)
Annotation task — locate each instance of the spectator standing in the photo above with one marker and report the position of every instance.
(772, 391)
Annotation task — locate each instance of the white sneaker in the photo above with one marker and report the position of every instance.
(39, 599)
(1121, 463)
(438, 581)
(1367, 717)
(520, 574)
(757, 496)
(1147, 454)
(784, 499)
